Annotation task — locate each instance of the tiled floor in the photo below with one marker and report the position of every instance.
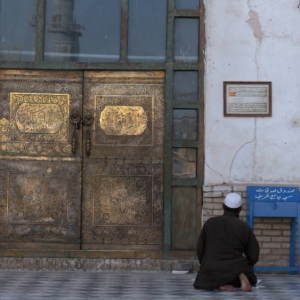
(37, 285)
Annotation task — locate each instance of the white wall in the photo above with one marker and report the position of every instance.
(254, 40)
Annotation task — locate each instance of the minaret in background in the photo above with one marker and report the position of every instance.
(33, 24)
(64, 32)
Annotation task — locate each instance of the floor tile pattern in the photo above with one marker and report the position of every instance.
(39, 285)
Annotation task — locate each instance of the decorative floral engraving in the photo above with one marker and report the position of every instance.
(123, 200)
(33, 198)
(4, 130)
(38, 204)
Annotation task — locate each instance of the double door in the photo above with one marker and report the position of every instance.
(81, 160)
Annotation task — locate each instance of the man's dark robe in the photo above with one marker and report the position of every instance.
(226, 248)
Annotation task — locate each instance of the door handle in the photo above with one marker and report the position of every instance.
(75, 118)
(88, 121)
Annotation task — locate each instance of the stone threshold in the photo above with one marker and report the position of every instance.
(97, 260)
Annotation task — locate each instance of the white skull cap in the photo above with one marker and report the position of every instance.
(233, 200)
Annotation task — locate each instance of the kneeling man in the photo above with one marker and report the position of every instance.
(227, 251)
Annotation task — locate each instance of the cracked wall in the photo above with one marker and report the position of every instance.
(253, 41)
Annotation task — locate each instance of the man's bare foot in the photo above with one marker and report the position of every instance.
(245, 284)
(228, 288)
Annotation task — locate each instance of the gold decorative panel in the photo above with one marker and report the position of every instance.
(119, 93)
(39, 118)
(36, 117)
(123, 120)
(34, 112)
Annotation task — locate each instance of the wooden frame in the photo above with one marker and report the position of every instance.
(247, 99)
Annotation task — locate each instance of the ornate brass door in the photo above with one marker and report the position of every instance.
(81, 171)
(123, 176)
(40, 202)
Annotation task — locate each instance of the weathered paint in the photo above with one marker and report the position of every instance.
(252, 41)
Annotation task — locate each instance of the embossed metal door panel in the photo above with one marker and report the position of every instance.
(123, 169)
(40, 159)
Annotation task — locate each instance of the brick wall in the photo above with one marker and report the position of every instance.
(273, 234)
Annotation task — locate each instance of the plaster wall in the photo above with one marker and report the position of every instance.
(254, 40)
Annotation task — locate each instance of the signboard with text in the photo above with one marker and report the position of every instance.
(247, 99)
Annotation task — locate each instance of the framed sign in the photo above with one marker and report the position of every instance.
(247, 99)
